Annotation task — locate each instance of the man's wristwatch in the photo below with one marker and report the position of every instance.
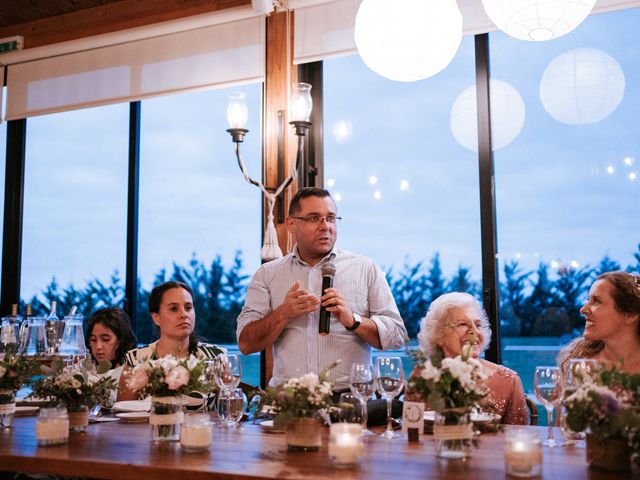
(357, 320)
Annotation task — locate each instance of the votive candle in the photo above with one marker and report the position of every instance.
(522, 453)
(345, 444)
(195, 434)
(52, 427)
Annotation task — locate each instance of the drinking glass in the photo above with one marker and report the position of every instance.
(362, 386)
(227, 371)
(350, 408)
(547, 383)
(389, 382)
(230, 406)
(579, 370)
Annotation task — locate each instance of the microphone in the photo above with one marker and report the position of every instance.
(328, 271)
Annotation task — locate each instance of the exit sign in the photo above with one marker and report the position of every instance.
(10, 44)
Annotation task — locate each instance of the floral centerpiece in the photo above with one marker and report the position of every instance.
(608, 407)
(165, 380)
(15, 371)
(296, 404)
(79, 386)
(451, 387)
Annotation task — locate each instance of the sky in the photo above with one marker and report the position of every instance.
(563, 192)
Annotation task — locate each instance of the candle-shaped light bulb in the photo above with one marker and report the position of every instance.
(301, 103)
(237, 111)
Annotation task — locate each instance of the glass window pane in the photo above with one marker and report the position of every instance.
(3, 165)
(407, 191)
(566, 187)
(75, 209)
(199, 219)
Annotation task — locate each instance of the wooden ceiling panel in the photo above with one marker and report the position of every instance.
(43, 22)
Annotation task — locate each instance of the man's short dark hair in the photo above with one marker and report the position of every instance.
(294, 204)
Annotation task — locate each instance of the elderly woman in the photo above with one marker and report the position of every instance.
(171, 309)
(612, 326)
(454, 320)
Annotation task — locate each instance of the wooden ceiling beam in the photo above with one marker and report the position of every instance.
(111, 18)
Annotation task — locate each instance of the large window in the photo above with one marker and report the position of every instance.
(566, 186)
(75, 209)
(407, 191)
(199, 219)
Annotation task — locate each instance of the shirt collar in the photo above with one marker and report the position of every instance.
(328, 257)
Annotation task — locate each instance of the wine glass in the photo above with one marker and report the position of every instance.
(547, 383)
(389, 382)
(350, 408)
(227, 371)
(362, 387)
(579, 371)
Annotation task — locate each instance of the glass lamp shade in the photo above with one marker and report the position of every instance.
(237, 111)
(408, 40)
(301, 103)
(582, 86)
(507, 116)
(537, 20)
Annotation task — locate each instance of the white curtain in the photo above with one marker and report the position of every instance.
(211, 56)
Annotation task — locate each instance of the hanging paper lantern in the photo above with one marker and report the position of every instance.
(408, 40)
(537, 19)
(507, 116)
(582, 86)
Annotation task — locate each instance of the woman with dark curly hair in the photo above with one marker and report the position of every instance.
(612, 324)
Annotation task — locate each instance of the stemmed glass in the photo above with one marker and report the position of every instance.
(362, 387)
(547, 383)
(389, 382)
(579, 371)
(227, 371)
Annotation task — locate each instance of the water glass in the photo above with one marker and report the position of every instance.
(350, 408)
(230, 406)
(389, 382)
(361, 382)
(548, 386)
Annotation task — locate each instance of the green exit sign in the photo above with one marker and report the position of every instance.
(11, 43)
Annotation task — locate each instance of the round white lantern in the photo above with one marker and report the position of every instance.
(408, 40)
(507, 116)
(582, 86)
(537, 19)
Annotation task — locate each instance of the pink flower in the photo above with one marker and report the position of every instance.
(138, 379)
(176, 378)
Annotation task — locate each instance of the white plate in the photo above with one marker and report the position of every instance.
(476, 417)
(25, 411)
(133, 417)
(267, 427)
(132, 406)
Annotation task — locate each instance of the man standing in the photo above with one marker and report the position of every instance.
(285, 295)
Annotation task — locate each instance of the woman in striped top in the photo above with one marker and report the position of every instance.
(171, 309)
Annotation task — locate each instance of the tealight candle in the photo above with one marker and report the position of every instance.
(52, 427)
(345, 444)
(522, 453)
(195, 434)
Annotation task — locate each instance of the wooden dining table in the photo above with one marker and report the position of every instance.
(118, 451)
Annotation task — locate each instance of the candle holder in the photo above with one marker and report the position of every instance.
(522, 453)
(52, 427)
(195, 434)
(345, 444)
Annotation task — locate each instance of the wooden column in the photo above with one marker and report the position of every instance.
(279, 140)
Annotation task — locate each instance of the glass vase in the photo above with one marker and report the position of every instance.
(7, 407)
(453, 434)
(304, 435)
(78, 419)
(165, 419)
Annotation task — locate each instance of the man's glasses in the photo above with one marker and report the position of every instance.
(315, 218)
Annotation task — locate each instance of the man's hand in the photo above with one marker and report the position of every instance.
(298, 302)
(338, 306)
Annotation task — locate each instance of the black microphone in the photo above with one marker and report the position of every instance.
(328, 271)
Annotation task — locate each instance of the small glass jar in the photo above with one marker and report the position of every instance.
(522, 453)
(195, 434)
(52, 427)
(345, 444)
